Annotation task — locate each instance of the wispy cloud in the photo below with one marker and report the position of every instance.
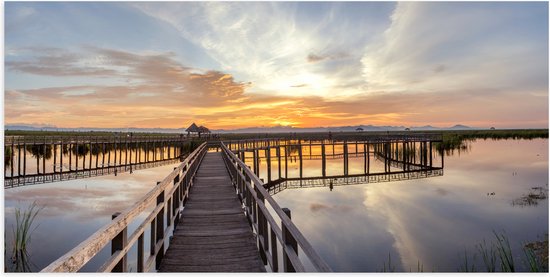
(242, 64)
(452, 46)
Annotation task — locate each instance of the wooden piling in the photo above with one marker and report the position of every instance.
(24, 159)
(70, 157)
(18, 160)
(268, 160)
(368, 158)
(346, 154)
(120, 151)
(54, 157)
(286, 161)
(254, 157)
(12, 153)
(278, 153)
(364, 158)
(323, 160)
(83, 155)
(43, 159)
(301, 160)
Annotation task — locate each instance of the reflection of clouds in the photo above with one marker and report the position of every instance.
(315, 207)
(87, 199)
(441, 191)
(433, 228)
(427, 221)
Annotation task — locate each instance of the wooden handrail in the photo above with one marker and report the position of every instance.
(366, 139)
(254, 198)
(181, 178)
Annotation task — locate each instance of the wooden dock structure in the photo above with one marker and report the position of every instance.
(34, 160)
(212, 213)
(214, 235)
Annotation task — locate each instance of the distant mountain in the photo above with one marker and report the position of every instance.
(275, 129)
(366, 128)
(84, 129)
(460, 127)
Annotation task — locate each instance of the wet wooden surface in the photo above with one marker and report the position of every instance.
(213, 235)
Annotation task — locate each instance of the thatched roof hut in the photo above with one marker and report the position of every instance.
(204, 130)
(193, 128)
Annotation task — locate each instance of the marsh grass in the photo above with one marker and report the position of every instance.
(489, 256)
(495, 256)
(467, 266)
(504, 253)
(532, 198)
(22, 232)
(390, 267)
(499, 253)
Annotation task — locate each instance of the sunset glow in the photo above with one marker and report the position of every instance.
(230, 65)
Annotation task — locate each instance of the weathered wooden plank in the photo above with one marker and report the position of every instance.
(213, 234)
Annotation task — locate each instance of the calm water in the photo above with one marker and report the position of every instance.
(73, 210)
(430, 221)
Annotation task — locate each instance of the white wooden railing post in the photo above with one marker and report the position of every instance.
(288, 241)
(117, 244)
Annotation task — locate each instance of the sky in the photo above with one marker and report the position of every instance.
(228, 65)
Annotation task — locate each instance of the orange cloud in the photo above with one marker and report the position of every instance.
(160, 92)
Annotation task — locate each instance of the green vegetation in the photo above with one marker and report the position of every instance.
(390, 267)
(532, 198)
(497, 255)
(22, 237)
(500, 253)
(457, 140)
(537, 255)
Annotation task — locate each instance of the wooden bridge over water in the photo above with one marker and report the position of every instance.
(213, 213)
(60, 158)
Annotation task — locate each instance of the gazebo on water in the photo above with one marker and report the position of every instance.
(194, 129)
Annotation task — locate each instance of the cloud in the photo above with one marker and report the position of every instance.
(266, 42)
(152, 87)
(298, 64)
(314, 58)
(54, 62)
(451, 46)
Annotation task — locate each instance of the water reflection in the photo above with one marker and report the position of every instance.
(428, 221)
(73, 210)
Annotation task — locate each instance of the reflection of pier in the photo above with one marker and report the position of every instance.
(85, 173)
(407, 152)
(333, 181)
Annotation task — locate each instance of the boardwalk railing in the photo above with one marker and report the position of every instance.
(269, 234)
(168, 196)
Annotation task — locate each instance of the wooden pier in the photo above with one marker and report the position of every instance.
(214, 235)
(32, 160)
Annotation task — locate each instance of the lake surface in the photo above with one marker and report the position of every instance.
(429, 221)
(73, 210)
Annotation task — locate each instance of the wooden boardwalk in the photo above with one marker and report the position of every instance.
(213, 234)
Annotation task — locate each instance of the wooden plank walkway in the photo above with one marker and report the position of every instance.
(213, 234)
